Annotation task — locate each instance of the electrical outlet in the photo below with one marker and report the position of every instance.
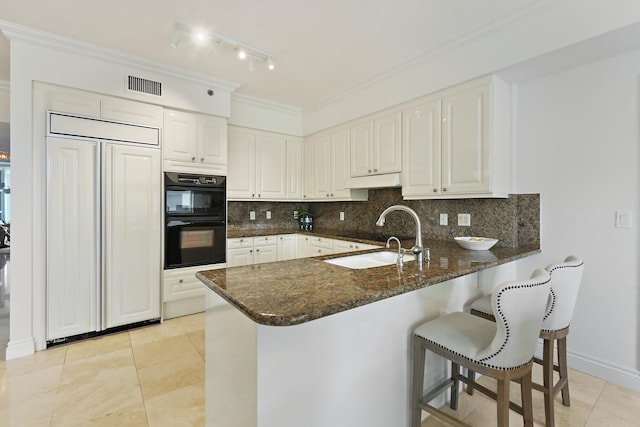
(444, 219)
(252, 215)
(295, 214)
(268, 214)
(341, 216)
(464, 220)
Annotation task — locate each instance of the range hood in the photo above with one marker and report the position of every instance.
(374, 181)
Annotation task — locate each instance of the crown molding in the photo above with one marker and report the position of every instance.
(265, 103)
(18, 32)
(4, 85)
(487, 26)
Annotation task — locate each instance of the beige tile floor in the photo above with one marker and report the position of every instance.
(154, 376)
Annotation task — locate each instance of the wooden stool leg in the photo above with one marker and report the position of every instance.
(417, 381)
(502, 401)
(527, 400)
(471, 379)
(562, 368)
(547, 373)
(455, 372)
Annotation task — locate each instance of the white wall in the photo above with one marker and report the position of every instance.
(577, 145)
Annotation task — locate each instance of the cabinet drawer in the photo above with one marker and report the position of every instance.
(181, 286)
(321, 242)
(241, 242)
(265, 240)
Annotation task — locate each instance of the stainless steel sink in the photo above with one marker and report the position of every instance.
(370, 260)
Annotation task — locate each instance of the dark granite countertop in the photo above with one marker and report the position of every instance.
(292, 292)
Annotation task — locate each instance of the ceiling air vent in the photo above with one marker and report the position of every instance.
(137, 84)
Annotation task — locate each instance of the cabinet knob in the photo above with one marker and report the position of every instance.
(375, 170)
(193, 159)
(351, 246)
(331, 195)
(202, 159)
(257, 250)
(253, 195)
(444, 189)
(258, 195)
(250, 250)
(281, 238)
(369, 170)
(435, 190)
(327, 195)
(180, 281)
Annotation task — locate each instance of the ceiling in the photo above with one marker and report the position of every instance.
(320, 48)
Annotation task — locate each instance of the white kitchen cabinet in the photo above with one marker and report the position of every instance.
(194, 142)
(127, 111)
(467, 151)
(133, 193)
(66, 100)
(340, 246)
(183, 293)
(376, 145)
(303, 249)
(295, 168)
(320, 246)
(327, 156)
(287, 247)
(258, 166)
(251, 250)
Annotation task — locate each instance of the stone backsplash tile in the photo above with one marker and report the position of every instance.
(514, 220)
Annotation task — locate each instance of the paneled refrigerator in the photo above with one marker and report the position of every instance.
(104, 205)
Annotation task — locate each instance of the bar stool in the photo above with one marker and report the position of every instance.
(502, 350)
(565, 282)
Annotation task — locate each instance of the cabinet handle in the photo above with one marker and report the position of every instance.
(444, 189)
(193, 159)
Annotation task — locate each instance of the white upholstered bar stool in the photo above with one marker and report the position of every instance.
(502, 350)
(565, 282)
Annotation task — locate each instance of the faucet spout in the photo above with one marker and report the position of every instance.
(417, 247)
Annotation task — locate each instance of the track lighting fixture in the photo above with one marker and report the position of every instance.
(244, 50)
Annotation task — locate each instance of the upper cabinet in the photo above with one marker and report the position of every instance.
(264, 166)
(376, 145)
(126, 111)
(457, 143)
(194, 142)
(327, 167)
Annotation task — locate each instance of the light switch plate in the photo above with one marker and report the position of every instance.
(252, 215)
(295, 214)
(464, 220)
(444, 219)
(341, 216)
(268, 214)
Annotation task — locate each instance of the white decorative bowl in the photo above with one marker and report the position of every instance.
(476, 243)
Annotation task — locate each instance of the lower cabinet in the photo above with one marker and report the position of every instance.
(251, 250)
(287, 246)
(320, 246)
(183, 293)
(340, 246)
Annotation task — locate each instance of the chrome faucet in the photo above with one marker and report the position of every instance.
(417, 248)
(401, 251)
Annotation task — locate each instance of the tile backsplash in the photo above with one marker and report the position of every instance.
(514, 220)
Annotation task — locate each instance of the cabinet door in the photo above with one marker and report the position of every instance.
(268, 253)
(340, 168)
(239, 257)
(322, 160)
(271, 169)
(124, 110)
(287, 247)
(180, 136)
(309, 182)
(421, 149)
(132, 233)
(466, 149)
(303, 250)
(66, 100)
(72, 227)
(361, 146)
(241, 179)
(387, 147)
(212, 140)
(294, 169)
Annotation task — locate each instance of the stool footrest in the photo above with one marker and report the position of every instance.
(436, 391)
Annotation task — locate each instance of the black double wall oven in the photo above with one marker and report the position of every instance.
(195, 220)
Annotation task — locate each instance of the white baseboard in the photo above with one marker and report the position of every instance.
(20, 348)
(602, 369)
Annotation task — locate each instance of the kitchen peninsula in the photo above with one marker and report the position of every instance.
(305, 342)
